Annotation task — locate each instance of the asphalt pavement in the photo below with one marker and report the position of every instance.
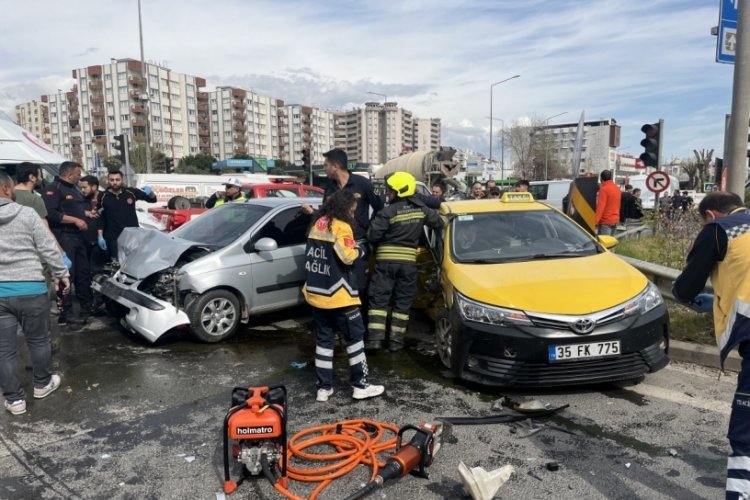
(133, 420)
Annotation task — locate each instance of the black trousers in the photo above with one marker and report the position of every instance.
(396, 281)
(74, 246)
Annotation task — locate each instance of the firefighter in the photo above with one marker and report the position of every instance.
(396, 231)
(232, 192)
(330, 289)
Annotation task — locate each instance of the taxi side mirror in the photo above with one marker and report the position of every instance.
(608, 241)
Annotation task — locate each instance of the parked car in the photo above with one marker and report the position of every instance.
(213, 273)
(550, 192)
(172, 218)
(525, 297)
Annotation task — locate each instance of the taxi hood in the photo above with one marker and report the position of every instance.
(579, 285)
(142, 252)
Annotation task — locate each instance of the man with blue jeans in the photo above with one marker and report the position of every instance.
(24, 300)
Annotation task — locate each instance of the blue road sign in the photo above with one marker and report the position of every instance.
(726, 42)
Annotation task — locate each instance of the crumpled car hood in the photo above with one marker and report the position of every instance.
(142, 252)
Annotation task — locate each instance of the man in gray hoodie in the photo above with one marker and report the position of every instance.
(24, 301)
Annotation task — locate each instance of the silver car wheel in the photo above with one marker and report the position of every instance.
(444, 340)
(218, 316)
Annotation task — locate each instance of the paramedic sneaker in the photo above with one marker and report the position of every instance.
(43, 392)
(323, 395)
(369, 391)
(16, 407)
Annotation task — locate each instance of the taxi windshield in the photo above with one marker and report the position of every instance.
(515, 236)
(220, 226)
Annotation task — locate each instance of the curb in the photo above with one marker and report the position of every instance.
(703, 355)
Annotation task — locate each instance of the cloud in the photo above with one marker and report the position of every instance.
(86, 52)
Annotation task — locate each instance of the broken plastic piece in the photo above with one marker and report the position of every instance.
(483, 485)
(627, 465)
(298, 364)
(189, 459)
(498, 404)
(672, 452)
(106, 455)
(532, 406)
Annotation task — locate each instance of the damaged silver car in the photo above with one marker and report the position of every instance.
(213, 273)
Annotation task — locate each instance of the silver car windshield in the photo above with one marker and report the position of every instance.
(518, 236)
(222, 225)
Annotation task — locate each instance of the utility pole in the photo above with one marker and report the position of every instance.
(735, 160)
(144, 75)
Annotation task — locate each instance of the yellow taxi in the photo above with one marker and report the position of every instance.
(526, 297)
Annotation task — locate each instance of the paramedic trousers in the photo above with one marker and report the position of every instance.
(738, 465)
(348, 321)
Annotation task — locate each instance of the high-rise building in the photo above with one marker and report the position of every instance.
(125, 98)
(243, 123)
(378, 132)
(601, 138)
(305, 128)
(34, 117)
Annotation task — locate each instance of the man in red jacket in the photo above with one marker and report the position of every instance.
(607, 205)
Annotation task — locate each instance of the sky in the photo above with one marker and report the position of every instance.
(634, 61)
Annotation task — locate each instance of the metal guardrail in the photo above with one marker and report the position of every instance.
(661, 276)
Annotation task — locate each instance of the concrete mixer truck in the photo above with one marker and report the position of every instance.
(427, 167)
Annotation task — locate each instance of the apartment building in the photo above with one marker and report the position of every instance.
(601, 138)
(125, 98)
(243, 123)
(378, 132)
(34, 117)
(305, 128)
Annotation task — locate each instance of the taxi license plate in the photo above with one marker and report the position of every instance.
(578, 351)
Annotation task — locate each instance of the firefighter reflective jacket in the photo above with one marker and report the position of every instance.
(329, 256)
(731, 284)
(397, 228)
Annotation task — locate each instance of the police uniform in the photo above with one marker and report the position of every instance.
(396, 231)
(118, 212)
(722, 250)
(329, 289)
(214, 201)
(63, 198)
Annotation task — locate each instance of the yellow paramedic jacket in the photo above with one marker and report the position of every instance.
(329, 256)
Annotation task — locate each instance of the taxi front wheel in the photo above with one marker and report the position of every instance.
(446, 341)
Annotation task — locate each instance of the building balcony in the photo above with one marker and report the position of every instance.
(72, 96)
(204, 142)
(104, 151)
(137, 109)
(238, 127)
(240, 138)
(45, 119)
(239, 93)
(240, 150)
(202, 119)
(76, 150)
(76, 128)
(307, 139)
(100, 139)
(94, 70)
(97, 99)
(202, 107)
(47, 140)
(73, 107)
(96, 85)
(239, 116)
(135, 95)
(97, 112)
(202, 96)
(203, 132)
(76, 141)
(136, 81)
(306, 130)
(74, 116)
(138, 122)
(238, 104)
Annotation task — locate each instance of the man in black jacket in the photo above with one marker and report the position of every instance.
(396, 231)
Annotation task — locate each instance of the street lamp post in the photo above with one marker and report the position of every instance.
(145, 83)
(546, 145)
(492, 86)
(502, 145)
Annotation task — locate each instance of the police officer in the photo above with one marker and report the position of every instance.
(90, 190)
(335, 166)
(396, 231)
(232, 192)
(118, 211)
(66, 213)
(722, 251)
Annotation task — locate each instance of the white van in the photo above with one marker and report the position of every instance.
(550, 192)
(648, 197)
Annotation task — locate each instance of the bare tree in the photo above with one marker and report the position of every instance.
(703, 160)
(534, 150)
(690, 167)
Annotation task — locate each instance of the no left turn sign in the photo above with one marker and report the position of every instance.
(658, 181)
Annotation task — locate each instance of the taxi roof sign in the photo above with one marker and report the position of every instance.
(513, 197)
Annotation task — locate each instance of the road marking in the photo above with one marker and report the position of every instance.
(721, 407)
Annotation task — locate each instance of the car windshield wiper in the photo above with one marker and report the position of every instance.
(559, 255)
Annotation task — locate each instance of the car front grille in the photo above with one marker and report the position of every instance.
(559, 322)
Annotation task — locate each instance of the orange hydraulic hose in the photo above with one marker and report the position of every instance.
(355, 442)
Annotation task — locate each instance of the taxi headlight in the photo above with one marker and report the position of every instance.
(645, 301)
(481, 313)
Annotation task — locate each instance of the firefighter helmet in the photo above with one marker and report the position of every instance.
(403, 183)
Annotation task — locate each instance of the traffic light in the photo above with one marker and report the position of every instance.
(168, 165)
(306, 158)
(650, 156)
(121, 144)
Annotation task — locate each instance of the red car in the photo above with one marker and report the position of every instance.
(174, 218)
